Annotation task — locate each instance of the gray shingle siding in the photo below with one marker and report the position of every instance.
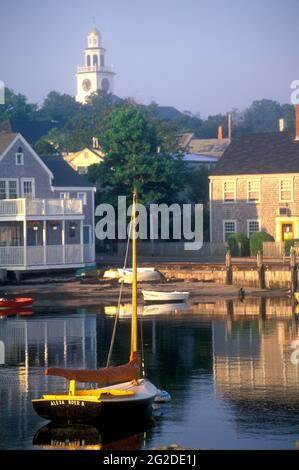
(31, 169)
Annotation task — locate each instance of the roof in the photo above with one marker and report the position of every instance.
(184, 140)
(5, 140)
(64, 175)
(194, 158)
(94, 30)
(70, 157)
(262, 153)
(212, 147)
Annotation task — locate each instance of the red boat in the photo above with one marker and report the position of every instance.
(18, 302)
(9, 312)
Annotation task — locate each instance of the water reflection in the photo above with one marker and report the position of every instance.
(226, 364)
(118, 436)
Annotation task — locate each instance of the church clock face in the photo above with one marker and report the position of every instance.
(86, 84)
(105, 85)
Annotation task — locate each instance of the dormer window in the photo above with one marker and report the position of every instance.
(20, 157)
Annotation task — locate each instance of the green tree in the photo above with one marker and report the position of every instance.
(17, 107)
(262, 116)
(130, 142)
(59, 107)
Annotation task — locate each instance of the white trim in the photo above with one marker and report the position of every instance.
(7, 186)
(20, 218)
(74, 188)
(253, 220)
(224, 221)
(255, 180)
(19, 136)
(19, 154)
(223, 193)
(292, 190)
(84, 198)
(64, 195)
(32, 180)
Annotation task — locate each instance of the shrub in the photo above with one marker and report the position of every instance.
(238, 244)
(256, 242)
(287, 246)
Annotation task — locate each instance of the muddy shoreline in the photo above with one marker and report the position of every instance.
(90, 293)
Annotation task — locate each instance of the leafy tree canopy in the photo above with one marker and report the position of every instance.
(135, 156)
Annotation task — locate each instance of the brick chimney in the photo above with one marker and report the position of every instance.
(297, 121)
(220, 134)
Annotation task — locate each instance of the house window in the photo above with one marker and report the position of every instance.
(12, 189)
(85, 155)
(229, 191)
(253, 191)
(2, 189)
(229, 227)
(20, 157)
(28, 188)
(83, 197)
(252, 227)
(64, 195)
(82, 170)
(8, 189)
(286, 190)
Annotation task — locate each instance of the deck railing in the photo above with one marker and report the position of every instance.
(23, 207)
(34, 256)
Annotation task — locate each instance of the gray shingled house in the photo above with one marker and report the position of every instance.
(46, 210)
(255, 186)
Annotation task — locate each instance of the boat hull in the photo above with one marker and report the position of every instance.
(82, 410)
(16, 303)
(67, 411)
(162, 297)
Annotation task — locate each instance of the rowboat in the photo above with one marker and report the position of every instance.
(18, 302)
(161, 296)
(122, 395)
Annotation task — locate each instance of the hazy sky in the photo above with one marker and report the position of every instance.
(206, 56)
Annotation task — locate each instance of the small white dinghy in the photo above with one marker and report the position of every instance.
(162, 296)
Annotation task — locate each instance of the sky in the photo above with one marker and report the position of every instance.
(206, 56)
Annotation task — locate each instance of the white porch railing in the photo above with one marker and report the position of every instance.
(35, 256)
(11, 256)
(95, 68)
(23, 207)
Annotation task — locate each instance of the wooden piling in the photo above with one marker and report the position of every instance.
(261, 269)
(293, 269)
(229, 270)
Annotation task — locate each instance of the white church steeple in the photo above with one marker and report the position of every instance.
(94, 75)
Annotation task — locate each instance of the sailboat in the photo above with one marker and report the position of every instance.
(123, 393)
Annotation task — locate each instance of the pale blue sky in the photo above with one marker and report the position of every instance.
(199, 55)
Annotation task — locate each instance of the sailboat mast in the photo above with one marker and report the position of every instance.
(134, 284)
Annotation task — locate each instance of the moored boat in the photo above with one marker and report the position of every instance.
(122, 393)
(162, 296)
(143, 275)
(17, 302)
